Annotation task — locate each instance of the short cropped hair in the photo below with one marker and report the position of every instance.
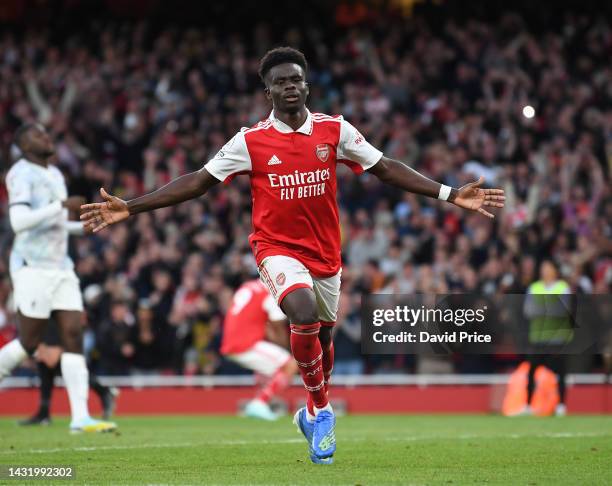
(281, 55)
(21, 132)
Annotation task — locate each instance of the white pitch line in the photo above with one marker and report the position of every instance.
(552, 435)
(153, 446)
(545, 435)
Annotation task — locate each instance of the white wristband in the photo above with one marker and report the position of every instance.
(444, 192)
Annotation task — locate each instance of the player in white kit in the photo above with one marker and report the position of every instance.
(42, 273)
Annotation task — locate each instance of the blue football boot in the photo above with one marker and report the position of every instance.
(307, 429)
(324, 435)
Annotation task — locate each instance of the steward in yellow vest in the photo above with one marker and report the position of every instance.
(548, 308)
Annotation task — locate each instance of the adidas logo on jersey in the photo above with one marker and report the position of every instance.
(274, 160)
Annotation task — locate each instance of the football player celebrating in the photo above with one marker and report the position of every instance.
(291, 159)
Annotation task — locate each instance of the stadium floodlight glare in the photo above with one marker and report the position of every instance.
(528, 111)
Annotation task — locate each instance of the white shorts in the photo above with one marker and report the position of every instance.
(283, 274)
(264, 357)
(39, 291)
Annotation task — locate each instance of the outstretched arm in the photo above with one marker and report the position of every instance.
(181, 189)
(400, 175)
(470, 196)
(353, 147)
(97, 216)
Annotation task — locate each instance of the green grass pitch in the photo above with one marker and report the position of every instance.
(372, 450)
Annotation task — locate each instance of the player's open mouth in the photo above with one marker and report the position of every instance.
(291, 98)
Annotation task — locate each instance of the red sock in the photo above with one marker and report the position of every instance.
(306, 350)
(277, 383)
(328, 364)
(310, 405)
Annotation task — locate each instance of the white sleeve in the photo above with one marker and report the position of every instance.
(353, 147)
(23, 218)
(231, 160)
(75, 227)
(274, 312)
(19, 187)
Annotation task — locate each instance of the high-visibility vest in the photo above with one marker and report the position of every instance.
(552, 325)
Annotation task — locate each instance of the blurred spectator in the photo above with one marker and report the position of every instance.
(116, 339)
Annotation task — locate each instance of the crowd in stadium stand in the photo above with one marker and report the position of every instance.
(132, 108)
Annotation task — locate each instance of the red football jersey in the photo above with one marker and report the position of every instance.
(245, 323)
(293, 185)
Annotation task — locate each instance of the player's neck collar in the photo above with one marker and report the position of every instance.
(24, 159)
(282, 127)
